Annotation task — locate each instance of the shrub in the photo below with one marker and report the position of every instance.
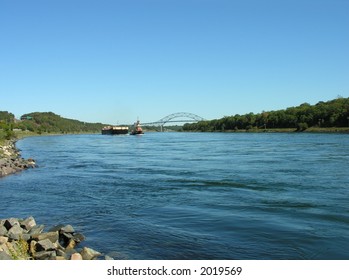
(302, 126)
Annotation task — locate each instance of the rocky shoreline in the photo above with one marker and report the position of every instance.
(11, 160)
(23, 239)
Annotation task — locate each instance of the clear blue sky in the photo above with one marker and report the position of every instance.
(115, 60)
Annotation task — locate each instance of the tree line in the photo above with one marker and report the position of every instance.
(333, 113)
(6, 125)
(47, 122)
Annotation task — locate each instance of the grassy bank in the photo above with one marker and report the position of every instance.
(289, 130)
(4, 137)
(19, 134)
(328, 129)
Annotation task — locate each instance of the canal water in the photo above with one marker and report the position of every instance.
(190, 195)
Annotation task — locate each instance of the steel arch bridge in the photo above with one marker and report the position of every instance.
(182, 117)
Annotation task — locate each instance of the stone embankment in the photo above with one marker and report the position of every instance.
(11, 160)
(23, 239)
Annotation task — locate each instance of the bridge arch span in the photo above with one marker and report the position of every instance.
(183, 117)
(190, 117)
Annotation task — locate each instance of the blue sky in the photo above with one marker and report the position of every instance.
(112, 61)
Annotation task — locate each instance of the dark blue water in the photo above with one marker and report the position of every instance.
(191, 195)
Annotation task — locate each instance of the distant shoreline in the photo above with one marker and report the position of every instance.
(324, 130)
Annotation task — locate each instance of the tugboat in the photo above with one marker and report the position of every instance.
(137, 129)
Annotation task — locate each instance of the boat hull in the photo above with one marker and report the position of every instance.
(115, 131)
(136, 133)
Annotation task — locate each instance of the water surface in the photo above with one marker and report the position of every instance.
(191, 195)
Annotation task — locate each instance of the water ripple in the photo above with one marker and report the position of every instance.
(191, 195)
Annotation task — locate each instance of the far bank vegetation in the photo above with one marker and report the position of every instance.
(46, 122)
(320, 117)
(327, 116)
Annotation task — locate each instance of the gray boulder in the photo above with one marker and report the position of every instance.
(3, 231)
(28, 223)
(45, 255)
(89, 254)
(4, 256)
(67, 229)
(78, 237)
(37, 229)
(9, 223)
(3, 240)
(15, 232)
(52, 236)
(45, 245)
(57, 227)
